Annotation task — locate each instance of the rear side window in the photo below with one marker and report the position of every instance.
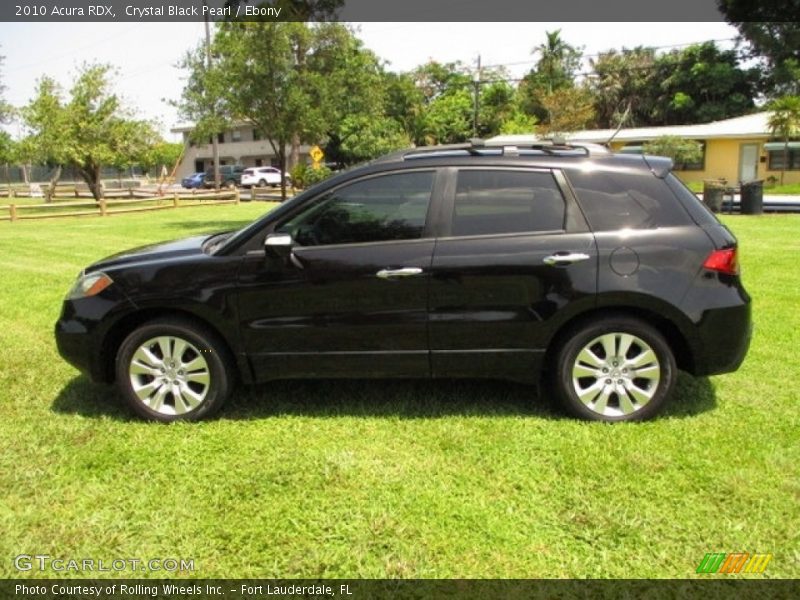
(496, 202)
(614, 201)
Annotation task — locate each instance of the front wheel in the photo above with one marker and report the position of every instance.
(616, 369)
(171, 370)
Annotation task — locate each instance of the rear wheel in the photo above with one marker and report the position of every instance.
(171, 369)
(616, 369)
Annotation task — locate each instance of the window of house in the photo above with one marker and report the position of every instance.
(777, 160)
(221, 138)
(388, 207)
(236, 135)
(256, 135)
(497, 201)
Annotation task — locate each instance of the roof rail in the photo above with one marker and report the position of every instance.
(479, 147)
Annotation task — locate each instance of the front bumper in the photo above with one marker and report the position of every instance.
(83, 328)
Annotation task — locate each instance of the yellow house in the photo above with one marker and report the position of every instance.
(739, 149)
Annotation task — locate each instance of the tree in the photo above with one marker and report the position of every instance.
(784, 122)
(501, 108)
(88, 131)
(700, 83)
(621, 85)
(569, 109)
(5, 109)
(162, 154)
(681, 151)
(203, 99)
(7, 153)
(556, 68)
(447, 103)
(774, 39)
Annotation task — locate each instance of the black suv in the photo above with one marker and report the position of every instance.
(600, 271)
(229, 176)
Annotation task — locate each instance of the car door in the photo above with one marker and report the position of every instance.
(351, 298)
(514, 261)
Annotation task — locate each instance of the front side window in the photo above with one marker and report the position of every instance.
(497, 202)
(388, 207)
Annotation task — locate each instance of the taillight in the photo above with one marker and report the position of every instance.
(723, 261)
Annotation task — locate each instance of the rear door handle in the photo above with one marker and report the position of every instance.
(567, 258)
(394, 273)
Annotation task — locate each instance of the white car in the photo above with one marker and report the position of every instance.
(262, 177)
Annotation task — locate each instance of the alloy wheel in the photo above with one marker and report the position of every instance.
(169, 375)
(616, 374)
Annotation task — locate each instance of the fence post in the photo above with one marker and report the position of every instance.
(175, 200)
(252, 193)
(236, 195)
(12, 212)
(102, 207)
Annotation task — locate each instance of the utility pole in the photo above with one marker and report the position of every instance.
(477, 84)
(214, 143)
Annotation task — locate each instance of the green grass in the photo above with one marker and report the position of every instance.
(391, 479)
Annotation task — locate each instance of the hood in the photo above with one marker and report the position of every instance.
(153, 252)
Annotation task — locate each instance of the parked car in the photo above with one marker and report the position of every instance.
(230, 176)
(193, 181)
(263, 176)
(600, 274)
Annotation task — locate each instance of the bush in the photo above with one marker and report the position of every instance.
(305, 176)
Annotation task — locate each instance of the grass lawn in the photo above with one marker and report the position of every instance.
(397, 479)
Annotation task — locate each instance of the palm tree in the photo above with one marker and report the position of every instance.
(784, 122)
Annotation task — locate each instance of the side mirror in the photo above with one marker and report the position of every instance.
(278, 245)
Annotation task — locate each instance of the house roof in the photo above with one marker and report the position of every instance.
(754, 125)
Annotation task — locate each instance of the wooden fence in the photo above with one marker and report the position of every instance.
(109, 206)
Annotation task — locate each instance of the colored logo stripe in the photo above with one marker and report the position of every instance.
(736, 562)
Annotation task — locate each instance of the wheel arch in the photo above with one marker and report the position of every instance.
(676, 339)
(124, 326)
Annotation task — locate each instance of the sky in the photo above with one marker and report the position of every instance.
(145, 55)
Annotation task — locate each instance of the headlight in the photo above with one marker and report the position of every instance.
(89, 285)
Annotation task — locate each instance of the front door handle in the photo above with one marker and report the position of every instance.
(567, 258)
(404, 272)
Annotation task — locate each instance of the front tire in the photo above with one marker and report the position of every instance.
(615, 369)
(173, 370)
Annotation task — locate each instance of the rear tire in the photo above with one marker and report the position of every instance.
(615, 369)
(173, 370)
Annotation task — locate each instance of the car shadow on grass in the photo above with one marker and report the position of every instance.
(371, 398)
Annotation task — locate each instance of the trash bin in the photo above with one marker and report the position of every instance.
(753, 197)
(713, 192)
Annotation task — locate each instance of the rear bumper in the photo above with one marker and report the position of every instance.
(724, 338)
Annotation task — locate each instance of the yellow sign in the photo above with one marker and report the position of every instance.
(316, 154)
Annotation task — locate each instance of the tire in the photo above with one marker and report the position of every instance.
(186, 387)
(230, 184)
(615, 369)
(262, 183)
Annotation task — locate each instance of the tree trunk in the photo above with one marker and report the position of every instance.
(51, 188)
(92, 178)
(294, 157)
(282, 162)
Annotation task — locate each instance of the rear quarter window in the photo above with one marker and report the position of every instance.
(614, 201)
